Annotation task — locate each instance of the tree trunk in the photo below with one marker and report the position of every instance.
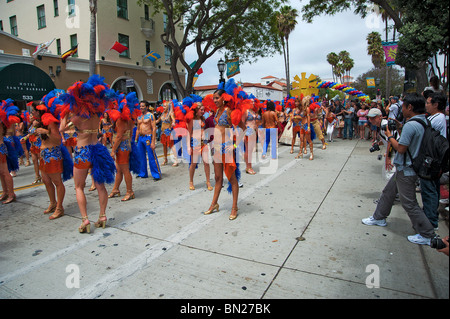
(285, 64)
(93, 36)
(421, 77)
(288, 80)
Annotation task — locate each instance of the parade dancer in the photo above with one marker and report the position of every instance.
(55, 163)
(69, 136)
(295, 121)
(21, 131)
(315, 109)
(249, 118)
(199, 147)
(305, 130)
(35, 142)
(124, 150)
(145, 138)
(9, 159)
(227, 116)
(87, 102)
(167, 119)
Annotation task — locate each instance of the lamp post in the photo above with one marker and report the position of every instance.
(221, 67)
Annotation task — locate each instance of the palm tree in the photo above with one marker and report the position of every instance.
(93, 36)
(375, 49)
(286, 20)
(333, 59)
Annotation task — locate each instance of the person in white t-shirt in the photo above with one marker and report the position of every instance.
(430, 189)
(435, 106)
(393, 108)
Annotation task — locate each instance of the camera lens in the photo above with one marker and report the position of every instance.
(437, 243)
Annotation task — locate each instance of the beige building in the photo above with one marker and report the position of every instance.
(26, 24)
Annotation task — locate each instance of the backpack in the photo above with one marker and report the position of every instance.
(399, 115)
(432, 160)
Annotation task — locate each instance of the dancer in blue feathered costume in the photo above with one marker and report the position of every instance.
(229, 101)
(55, 163)
(9, 160)
(86, 102)
(123, 114)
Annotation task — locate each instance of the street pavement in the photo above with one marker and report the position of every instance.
(298, 235)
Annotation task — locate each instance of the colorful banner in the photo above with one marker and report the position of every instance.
(233, 67)
(390, 51)
(370, 83)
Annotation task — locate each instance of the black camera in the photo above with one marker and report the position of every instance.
(375, 147)
(392, 125)
(437, 243)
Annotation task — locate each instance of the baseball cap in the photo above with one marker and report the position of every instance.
(374, 112)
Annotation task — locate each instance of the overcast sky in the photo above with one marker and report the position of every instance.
(309, 45)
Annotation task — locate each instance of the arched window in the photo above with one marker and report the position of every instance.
(168, 92)
(123, 87)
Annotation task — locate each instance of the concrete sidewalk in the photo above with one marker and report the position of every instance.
(298, 235)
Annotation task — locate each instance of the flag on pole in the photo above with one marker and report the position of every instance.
(233, 67)
(42, 47)
(370, 82)
(69, 53)
(200, 71)
(390, 50)
(152, 56)
(195, 79)
(118, 47)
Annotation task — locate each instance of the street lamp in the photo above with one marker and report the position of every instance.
(221, 67)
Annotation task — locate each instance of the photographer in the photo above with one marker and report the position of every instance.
(404, 178)
(375, 117)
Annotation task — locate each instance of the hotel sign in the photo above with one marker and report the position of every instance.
(24, 82)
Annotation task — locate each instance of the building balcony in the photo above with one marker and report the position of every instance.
(147, 27)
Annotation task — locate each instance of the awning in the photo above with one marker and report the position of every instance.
(21, 81)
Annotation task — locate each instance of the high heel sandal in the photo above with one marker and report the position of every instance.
(37, 180)
(164, 163)
(191, 186)
(93, 188)
(212, 209)
(101, 223)
(85, 228)
(50, 209)
(233, 217)
(10, 200)
(55, 215)
(250, 171)
(128, 197)
(114, 194)
(300, 155)
(4, 196)
(208, 185)
(311, 157)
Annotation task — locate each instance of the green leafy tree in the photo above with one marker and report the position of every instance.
(244, 29)
(375, 49)
(423, 27)
(286, 20)
(396, 81)
(333, 59)
(341, 64)
(424, 35)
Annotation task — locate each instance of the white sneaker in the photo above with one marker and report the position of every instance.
(418, 239)
(444, 201)
(374, 222)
